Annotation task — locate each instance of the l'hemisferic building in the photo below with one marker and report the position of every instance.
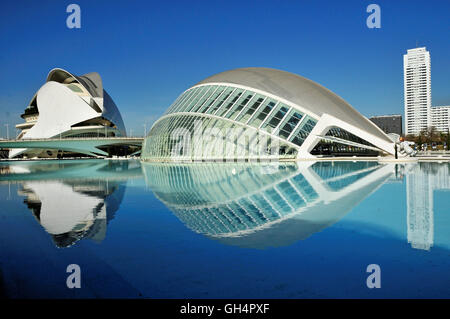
(261, 113)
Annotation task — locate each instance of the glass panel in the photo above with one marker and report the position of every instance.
(74, 88)
(178, 101)
(226, 106)
(292, 120)
(211, 100)
(261, 114)
(222, 98)
(200, 92)
(192, 100)
(243, 100)
(309, 125)
(204, 99)
(275, 118)
(250, 108)
(299, 138)
(188, 96)
(303, 131)
(219, 144)
(207, 124)
(188, 101)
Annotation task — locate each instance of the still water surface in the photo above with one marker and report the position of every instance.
(305, 230)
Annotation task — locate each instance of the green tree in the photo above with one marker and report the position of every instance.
(420, 139)
(448, 139)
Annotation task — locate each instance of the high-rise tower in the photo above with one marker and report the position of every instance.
(417, 88)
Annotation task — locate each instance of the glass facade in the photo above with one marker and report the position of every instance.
(343, 134)
(344, 145)
(232, 123)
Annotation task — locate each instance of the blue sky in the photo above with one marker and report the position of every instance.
(147, 52)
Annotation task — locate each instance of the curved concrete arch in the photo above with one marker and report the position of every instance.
(92, 82)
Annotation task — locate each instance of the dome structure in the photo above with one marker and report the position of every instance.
(258, 113)
(69, 106)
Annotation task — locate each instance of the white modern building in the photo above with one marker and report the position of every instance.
(440, 118)
(417, 90)
(261, 113)
(69, 106)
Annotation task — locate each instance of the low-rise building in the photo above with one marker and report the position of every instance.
(440, 118)
(389, 123)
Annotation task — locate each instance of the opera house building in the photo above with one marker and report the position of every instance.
(261, 113)
(69, 106)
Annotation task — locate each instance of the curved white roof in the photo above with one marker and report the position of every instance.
(60, 108)
(300, 91)
(91, 81)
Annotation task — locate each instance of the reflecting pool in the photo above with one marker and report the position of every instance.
(224, 230)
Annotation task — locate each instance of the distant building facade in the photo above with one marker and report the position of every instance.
(417, 90)
(419, 114)
(440, 118)
(389, 123)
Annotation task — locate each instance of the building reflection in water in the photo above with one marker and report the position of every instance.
(72, 210)
(73, 200)
(422, 179)
(249, 205)
(260, 205)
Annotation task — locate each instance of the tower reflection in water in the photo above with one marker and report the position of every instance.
(422, 179)
(73, 200)
(260, 205)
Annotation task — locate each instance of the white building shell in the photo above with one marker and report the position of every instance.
(69, 106)
(291, 110)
